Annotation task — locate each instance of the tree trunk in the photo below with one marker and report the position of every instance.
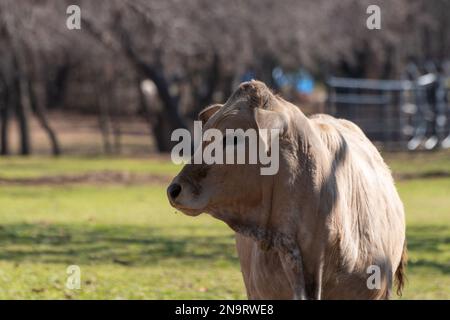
(56, 86)
(4, 116)
(157, 123)
(37, 105)
(104, 122)
(115, 119)
(144, 70)
(212, 82)
(18, 90)
(22, 116)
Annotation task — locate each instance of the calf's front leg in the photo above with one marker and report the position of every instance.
(292, 263)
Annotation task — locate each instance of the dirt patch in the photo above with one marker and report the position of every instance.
(127, 178)
(421, 175)
(96, 178)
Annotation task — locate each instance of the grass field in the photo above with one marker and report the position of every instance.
(130, 244)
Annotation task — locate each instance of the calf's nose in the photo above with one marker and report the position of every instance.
(174, 190)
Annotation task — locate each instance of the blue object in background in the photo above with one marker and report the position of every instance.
(302, 80)
(281, 79)
(305, 82)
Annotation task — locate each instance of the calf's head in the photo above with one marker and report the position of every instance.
(224, 188)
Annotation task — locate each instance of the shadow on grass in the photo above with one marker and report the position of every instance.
(125, 245)
(429, 247)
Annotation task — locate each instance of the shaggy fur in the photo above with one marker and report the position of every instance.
(313, 230)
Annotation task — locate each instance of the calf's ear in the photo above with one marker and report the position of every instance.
(207, 113)
(266, 119)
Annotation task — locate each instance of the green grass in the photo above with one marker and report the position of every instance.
(419, 162)
(427, 207)
(130, 244)
(35, 167)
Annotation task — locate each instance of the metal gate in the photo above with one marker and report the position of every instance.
(400, 113)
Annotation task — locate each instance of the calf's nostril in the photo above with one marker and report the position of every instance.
(174, 190)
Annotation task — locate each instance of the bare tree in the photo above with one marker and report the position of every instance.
(193, 52)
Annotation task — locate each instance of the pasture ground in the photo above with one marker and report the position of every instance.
(130, 244)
